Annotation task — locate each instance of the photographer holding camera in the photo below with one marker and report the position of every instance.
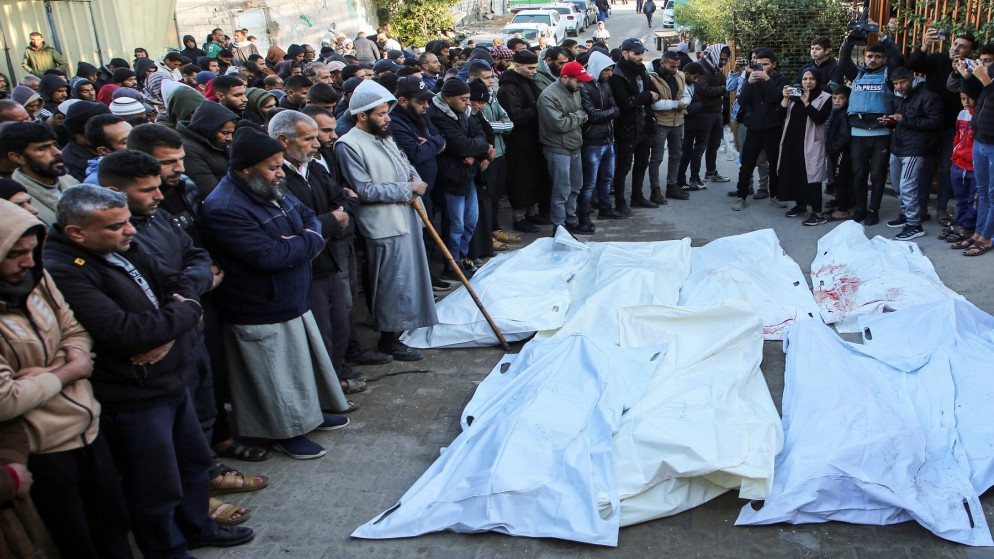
(872, 98)
(938, 68)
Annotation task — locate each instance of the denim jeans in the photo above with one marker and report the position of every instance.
(666, 137)
(965, 190)
(566, 170)
(461, 214)
(904, 176)
(983, 170)
(598, 172)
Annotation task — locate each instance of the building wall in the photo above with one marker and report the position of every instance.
(286, 21)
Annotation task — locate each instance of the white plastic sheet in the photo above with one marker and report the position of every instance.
(753, 267)
(621, 275)
(536, 458)
(524, 291)
(706, 423)
(870, 438)
(853, 276)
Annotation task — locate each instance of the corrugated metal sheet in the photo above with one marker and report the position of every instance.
(113, 29)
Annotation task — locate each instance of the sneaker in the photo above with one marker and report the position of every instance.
(300, 448)
(910, 232)
(622, 208)
(363, 356)
(761, 194)
(580, 228)
(776, 203)
(872, 218)
(901, 221)
(859, 215)
(797, 210)
(739, 205)
(734, 193)
(715, 177)
(610, 214)
(401, 352)
(332, 422)
(814, 219)
(697, 184)
(524, 226)
(438, 284)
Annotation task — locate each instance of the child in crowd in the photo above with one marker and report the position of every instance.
(838, 142)
(964, 185)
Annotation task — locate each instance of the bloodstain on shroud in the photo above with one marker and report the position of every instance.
(840, 297)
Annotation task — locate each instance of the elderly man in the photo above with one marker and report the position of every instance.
(140, 315)
(265, 239)
(387, 185)
(316, 189)
(43, 383)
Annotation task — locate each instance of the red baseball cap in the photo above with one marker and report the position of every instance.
(575, 70)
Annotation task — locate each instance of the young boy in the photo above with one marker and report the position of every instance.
(917, 116)
(961, 174)
(837, 142)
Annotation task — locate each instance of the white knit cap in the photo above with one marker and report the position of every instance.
(369, 95)
(126, 106)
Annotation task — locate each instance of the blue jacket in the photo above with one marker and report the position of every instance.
(267, 279)
(423, 155)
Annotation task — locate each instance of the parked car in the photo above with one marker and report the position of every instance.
(530, 32)
(485, 41)
(668, 22)
(574, 20)
(548, 17)
(588, 8)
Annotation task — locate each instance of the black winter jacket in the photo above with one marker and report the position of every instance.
(635, 117)
(710, 88)
(839, 132)
(983, 114)
(162, 238)
(322, 195)
(124, 322)
(598, 102)
(761, 102)
(937, 66)
(463, 138)
(916, 135)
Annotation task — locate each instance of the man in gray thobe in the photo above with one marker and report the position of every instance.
(388, 185)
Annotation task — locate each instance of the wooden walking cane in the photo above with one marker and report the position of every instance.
(448, 256)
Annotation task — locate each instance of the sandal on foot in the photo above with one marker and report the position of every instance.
(965, 243)
(227, 514)
(957, 236)
(945, 219)
(499, 246)
(353, 406)
(239, 451)
(236, 482)
(352, 386)
(506, 237)
(977, 250)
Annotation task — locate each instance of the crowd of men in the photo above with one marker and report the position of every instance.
(202, 230)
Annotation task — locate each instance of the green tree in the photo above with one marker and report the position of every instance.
(417, 21)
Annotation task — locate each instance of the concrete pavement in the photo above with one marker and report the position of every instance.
(311, 507)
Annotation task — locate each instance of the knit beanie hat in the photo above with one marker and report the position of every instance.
(9, 187)
(478, 91)
(525, 56)
(80, 112)
(368, 95)
(126, 107)
(350, 84)
(250, 146)
(204, 77)
(454, 87)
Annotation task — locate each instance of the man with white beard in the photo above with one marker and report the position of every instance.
(264, 239)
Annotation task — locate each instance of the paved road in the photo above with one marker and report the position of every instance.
(311, 507)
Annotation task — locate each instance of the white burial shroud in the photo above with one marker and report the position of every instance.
(854, 276)
(884, 432)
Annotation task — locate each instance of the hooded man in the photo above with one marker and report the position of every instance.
(387, 185)
(31, 146)
(552, 62)
(598, 137)
(43, 382)
(53, 90)
(39, 57)
(141, 316)
(205, 139)
(526, 179)
(83, 89)
(711, 90)
(190, 50)
(181, 101)
(265, 239)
